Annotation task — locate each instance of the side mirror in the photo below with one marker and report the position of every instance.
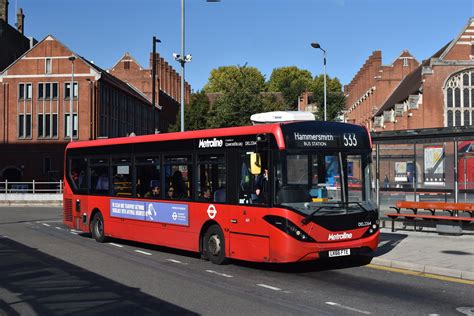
(255, 164)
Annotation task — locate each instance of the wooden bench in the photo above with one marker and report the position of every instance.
(452, 208)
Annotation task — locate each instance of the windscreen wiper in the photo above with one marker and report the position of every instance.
(305, 220)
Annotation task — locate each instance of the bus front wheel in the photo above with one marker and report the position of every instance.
(214, 245)
(97, 227)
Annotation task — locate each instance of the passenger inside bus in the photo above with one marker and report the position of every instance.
(102, 182)
(171, 193)
(154, 193)
(205, 195)
(178, 185)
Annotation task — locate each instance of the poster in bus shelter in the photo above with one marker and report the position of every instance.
(434, 165)
(401, 171)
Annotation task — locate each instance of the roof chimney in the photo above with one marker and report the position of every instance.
(4, 10)
(20, 21)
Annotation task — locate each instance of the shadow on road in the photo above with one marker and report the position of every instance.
(322, 264)
(388, 242)
(34, 282)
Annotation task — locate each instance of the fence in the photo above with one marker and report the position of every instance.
(33, 187)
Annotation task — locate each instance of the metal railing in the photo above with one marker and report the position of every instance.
(33, 187)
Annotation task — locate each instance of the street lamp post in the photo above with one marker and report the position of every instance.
(316, 45)
(71, 99)
(183, 59)
(153, 84)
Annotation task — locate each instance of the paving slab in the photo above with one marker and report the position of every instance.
(427, 252)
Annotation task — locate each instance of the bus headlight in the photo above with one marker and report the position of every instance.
(372, 230)
(288, 227)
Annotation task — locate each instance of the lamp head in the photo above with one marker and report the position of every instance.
(315, 45)
(72, 58)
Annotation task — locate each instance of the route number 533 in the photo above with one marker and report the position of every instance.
(350, 140)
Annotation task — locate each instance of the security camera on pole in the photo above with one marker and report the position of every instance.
(183, 59)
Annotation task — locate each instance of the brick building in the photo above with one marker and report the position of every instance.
(13, 42)
(35, 96)
(437, 93)
(168, 83)
(373, 84)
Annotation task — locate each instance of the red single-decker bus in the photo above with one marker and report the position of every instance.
(262, 193)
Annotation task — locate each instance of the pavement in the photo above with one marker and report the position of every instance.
(427, 253)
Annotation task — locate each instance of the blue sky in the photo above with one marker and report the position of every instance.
(262, 33)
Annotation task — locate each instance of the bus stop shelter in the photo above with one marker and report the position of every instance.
(424, 165)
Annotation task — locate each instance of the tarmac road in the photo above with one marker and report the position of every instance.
(48, 269)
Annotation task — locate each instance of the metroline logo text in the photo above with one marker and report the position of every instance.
(344, 235)
(206, 143)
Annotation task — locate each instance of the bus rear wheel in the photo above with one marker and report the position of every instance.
(214, 245)
(97, 227)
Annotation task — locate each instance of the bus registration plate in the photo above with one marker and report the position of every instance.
(339, 253)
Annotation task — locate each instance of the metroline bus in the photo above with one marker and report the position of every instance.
(263, 193)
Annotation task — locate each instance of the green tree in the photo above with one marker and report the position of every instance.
(196, 113)
(240, 96)
(226, 78)
(335, 98)
(291, 82)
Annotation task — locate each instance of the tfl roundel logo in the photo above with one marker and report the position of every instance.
(211, 211)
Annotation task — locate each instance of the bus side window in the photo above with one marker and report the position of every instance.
(245, 183)
(178, 175)
(211, 176)
(99, 176)
(148, 177)
(121, 177)
(78, 172)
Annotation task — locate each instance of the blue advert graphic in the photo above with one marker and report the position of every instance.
(127, 209)
(168, 213)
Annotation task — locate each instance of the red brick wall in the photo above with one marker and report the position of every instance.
(31, 69)
(168, 80)
(384, 79)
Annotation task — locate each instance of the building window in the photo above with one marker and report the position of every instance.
(405, 62)
(465, 79)
(459, 94)
(54, 91)
(48, 66)
(449, 96)
(24, 125)
(24, 91)
(126, 65)
(466, 97)
(450, 118)
(67, 125)
(47, 91)
(467, 118)
(457, 118)
(47, 121)
(67, 90)
(40, 91)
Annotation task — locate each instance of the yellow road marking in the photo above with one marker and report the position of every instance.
(421, 274)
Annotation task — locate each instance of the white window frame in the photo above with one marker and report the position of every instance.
(454, 82)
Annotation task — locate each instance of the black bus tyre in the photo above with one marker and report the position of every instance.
(214, 245)
(97, 227)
